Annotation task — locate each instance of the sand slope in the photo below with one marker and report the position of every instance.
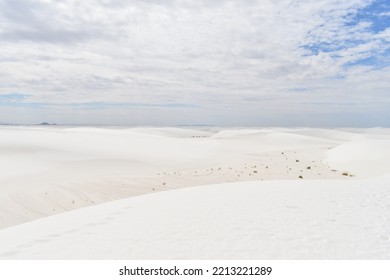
(363, 157)
(246, 220)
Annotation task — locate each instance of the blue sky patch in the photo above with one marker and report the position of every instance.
(13, 97)
(375, 14)
(376, 62)
(377, 17)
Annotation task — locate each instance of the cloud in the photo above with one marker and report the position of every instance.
(254, 58)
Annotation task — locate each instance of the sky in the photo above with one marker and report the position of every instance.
(321, 63)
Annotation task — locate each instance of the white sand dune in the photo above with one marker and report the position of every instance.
(322, 203)
(246, 220)
(48, 170)
(363, 157)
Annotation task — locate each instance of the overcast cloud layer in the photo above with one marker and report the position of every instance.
(244, 62)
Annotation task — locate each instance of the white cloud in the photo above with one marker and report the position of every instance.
(247, 55)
